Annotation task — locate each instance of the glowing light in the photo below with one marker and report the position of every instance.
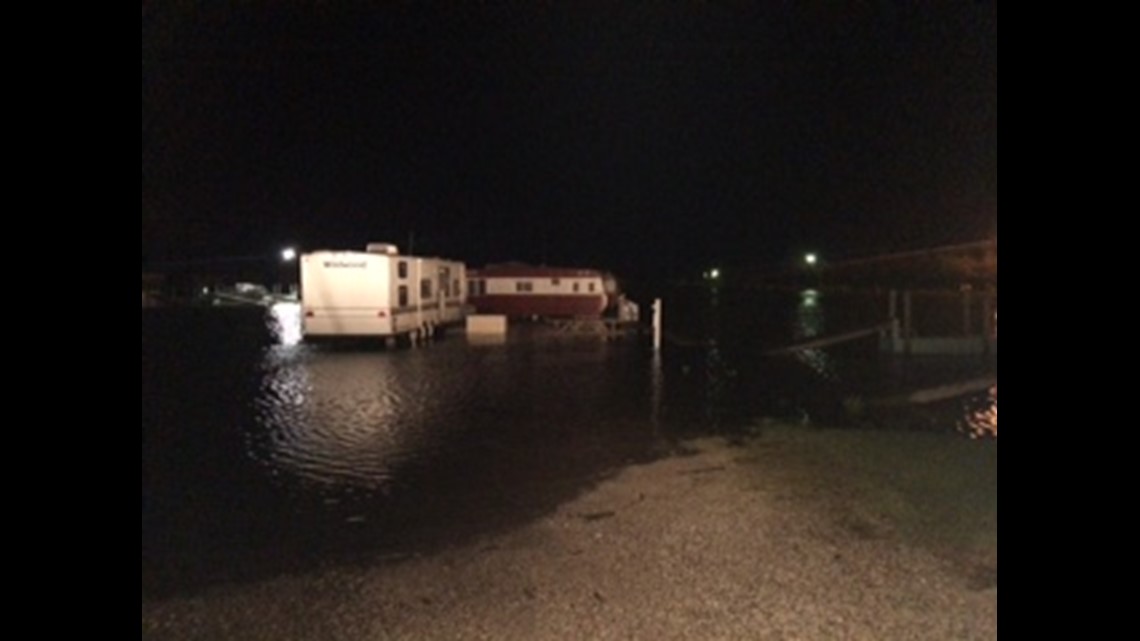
(288, 254)
(810, 259)
(714, 273)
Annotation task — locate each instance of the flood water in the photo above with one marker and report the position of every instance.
(262, 455)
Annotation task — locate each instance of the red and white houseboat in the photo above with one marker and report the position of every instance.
(520, 290)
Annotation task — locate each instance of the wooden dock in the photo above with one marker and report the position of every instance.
(608, 328)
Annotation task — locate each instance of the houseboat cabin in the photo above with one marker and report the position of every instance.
(520, 291)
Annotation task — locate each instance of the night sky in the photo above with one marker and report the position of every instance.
(639, 137)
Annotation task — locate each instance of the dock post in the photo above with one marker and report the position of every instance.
(656, 324)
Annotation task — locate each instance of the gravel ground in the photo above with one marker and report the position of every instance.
(796, 533)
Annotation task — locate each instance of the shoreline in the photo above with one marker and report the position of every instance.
(795, 533)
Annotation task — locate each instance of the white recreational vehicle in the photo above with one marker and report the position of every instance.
(379, 293)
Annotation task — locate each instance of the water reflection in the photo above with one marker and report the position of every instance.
(656, 391)
(808, 315)
(808, 322)
(363, 423)
(283, 320)
(342, 419)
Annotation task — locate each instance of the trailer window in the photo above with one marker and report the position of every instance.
(403, 294)
(425, 288)
(455, 287)
(575, 287)
(523, 286)
(555, 281)
(402, 268)
(591, 286)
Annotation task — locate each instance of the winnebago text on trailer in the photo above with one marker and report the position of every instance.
(379, 293)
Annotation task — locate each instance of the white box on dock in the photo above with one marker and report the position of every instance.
(487, 324)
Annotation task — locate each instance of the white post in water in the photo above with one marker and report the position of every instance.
(656, 324)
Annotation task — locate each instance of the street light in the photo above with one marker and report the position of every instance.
(286, 275)
(810, 259)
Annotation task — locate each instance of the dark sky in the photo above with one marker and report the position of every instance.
(631, 136)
